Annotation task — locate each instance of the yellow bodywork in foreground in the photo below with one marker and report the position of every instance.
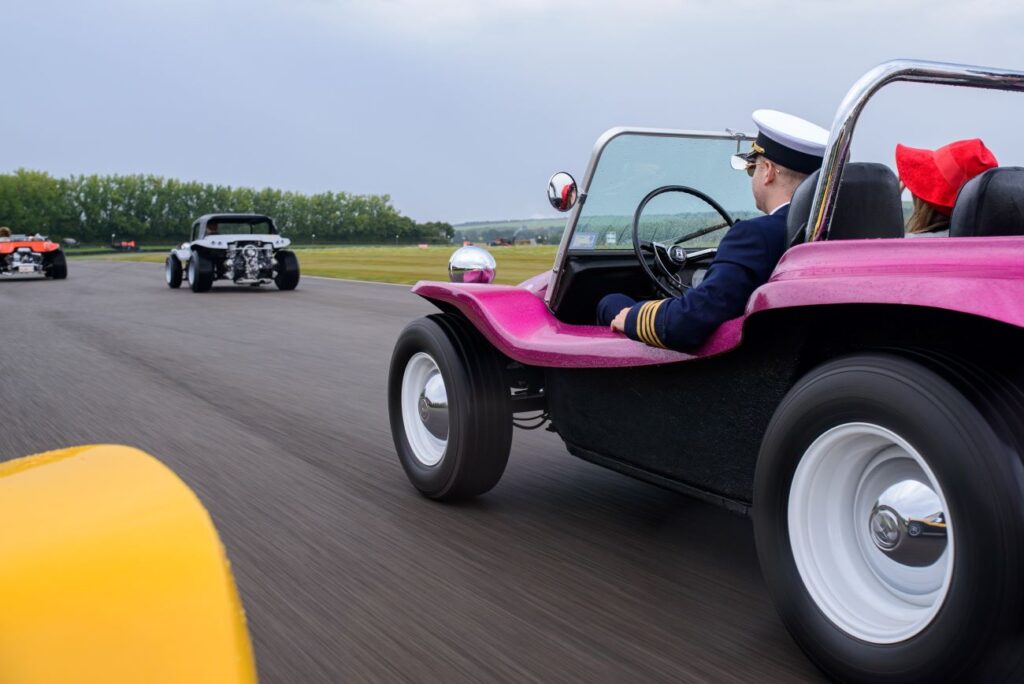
(111, 571)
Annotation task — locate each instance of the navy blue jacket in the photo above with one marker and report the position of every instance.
(746, 258)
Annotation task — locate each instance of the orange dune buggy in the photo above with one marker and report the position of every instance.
(24, 254)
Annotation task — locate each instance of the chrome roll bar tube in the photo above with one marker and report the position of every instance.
(837, 153)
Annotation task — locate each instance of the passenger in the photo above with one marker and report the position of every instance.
(568, 197)
(934, 177)
(212, 228)
(786, 151)
(5, 234)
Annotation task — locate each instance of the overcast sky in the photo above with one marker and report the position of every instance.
(461, 109)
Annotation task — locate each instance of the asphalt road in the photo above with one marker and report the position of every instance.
(272, 406)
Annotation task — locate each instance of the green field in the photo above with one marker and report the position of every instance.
(397, 264)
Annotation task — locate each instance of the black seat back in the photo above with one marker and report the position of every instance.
(990, 204)
(868, 205)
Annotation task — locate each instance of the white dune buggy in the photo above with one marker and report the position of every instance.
(243, 248)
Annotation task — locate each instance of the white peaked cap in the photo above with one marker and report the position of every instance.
(792, 131)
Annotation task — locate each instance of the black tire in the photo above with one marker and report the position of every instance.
(963, 424)
(173, 272)
(479, 408)
(287, 277)
(58, 266)
(200, 272)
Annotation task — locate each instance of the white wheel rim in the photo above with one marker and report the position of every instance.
(192, 269)
(865, 562)
(425, 409)
(167, 271)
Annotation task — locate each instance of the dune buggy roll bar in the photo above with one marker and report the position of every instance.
(837, 153)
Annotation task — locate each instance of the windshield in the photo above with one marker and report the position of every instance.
(633, 164)
(238, 228)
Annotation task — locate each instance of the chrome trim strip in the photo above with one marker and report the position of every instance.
(602, 142)
(837, 153)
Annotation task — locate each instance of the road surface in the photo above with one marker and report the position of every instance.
(271, 406)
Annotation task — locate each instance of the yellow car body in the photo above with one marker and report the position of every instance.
(112, 571)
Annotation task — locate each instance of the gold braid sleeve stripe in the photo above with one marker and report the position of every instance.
(644, 322)
(645, 327)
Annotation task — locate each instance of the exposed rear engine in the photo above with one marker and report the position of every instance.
(249, 262)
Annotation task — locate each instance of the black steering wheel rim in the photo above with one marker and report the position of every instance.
(677, 286)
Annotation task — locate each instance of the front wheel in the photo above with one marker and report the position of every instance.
(287, 277)
(889, 524)
(450, 408)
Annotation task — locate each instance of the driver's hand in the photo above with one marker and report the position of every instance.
(619, 322)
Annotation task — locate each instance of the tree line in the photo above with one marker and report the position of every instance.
(150, 208)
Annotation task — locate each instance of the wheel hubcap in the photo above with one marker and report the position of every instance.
(908, 524)
(433, 405)
(885, 529)
(870, 533)
(425, 409)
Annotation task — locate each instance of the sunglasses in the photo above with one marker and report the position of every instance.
(751, 167)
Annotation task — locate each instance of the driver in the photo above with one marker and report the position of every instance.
(212, 228)
(786, 151)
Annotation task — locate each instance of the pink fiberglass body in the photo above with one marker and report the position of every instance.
(979, 276)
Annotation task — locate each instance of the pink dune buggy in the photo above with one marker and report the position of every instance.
(867, 409)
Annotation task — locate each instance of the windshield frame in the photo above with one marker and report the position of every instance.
(584, 187)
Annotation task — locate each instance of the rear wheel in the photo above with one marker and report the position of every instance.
(287, 277)
(172, 272)
(889, 524)
(200, 272)
(450, 408)
(58, 267)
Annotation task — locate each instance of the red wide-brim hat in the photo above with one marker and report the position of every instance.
(936, 176)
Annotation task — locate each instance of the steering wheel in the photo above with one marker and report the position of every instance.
(669, 259)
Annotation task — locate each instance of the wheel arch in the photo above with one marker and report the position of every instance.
(821, 333)
(964, 349)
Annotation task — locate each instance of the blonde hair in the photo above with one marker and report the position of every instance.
(5, 231)
(925, 218)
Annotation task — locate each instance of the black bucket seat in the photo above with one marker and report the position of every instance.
(868, 205)
(991, 203)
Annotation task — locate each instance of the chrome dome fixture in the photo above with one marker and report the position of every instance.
(471, 264)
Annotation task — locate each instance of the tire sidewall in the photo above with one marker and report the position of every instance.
(424, 335)
(172, 271)
(200, 272)
(288, 270)
(57, 269)
(936, 419)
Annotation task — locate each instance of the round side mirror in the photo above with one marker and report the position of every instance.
(562, 192)
(471, 264)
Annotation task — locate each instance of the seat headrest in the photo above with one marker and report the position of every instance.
(800, 210)
(868, 205)
(990, 204)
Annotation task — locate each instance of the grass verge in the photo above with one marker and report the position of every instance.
(395, 264)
